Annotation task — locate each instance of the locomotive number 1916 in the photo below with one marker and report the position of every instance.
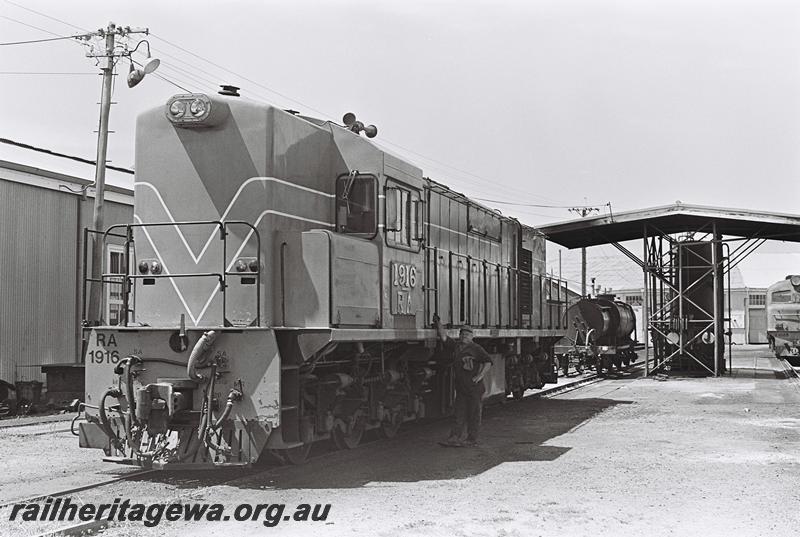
(404, 280)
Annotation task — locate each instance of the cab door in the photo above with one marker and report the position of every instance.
(403, 258)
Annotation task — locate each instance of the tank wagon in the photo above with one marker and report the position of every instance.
(278, 286)
(599, 335)
(783, 318)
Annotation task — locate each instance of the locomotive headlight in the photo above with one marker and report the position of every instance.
(197, 108)
(177, 109)
(795, 280)
(144, 267)
(155, 267)
(241, 266)
(253, 265)
(192, 110)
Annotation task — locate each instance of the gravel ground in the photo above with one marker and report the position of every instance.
(626, 456)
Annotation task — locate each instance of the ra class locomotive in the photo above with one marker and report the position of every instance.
(279, 282)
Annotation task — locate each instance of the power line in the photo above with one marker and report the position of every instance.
(42, 73)
(37, 40)
(538, 206)
(45, 16)
(480, 179)
(240, 76)
(63, 155)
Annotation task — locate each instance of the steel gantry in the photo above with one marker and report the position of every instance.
(688, 253)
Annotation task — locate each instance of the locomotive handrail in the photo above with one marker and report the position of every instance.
(127, 278)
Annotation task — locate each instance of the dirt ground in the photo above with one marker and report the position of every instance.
(626, 456)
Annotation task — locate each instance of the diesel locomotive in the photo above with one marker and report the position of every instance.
(277, 286)
(783, 318)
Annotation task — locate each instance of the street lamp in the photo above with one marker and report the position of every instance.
(137, 74)
(94, 314)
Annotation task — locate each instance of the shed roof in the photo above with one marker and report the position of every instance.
(669, 219)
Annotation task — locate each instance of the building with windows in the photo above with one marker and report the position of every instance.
(46, 201)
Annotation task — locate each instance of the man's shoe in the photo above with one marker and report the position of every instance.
(470, 443)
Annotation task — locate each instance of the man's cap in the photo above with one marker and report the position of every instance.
(466, 329)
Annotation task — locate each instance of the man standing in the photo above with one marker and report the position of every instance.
(470, 364)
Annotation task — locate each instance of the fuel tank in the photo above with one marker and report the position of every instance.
(610, 319)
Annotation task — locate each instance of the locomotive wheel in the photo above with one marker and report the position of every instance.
(297, 455)
(598, 366)
(348, 435)
(579, 368)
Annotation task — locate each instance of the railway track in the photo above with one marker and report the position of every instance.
(95, 526)
(74, 490)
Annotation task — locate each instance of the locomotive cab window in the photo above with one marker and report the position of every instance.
(782, 296)
(356, 202)
(403, 217)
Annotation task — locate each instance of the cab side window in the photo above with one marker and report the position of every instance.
(356, 205)
(403, 217)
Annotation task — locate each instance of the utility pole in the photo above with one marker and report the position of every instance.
(584, 212)
(110, 54)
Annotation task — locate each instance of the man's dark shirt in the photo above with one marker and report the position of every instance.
(467, 360)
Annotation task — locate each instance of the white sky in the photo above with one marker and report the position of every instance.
(638, 103)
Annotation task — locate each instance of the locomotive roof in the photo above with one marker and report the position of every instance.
(449, 192)
(669, 219)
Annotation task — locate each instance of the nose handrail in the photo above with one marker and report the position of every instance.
(127, 279)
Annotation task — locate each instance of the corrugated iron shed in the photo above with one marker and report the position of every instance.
(669, 219)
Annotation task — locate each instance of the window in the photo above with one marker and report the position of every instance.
(633, 300)
(403, 217)
(115, 264)
(483, 222)
(355, 205)
(757, 300)
(782, 296)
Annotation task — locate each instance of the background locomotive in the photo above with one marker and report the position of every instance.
(599, 333)
(279, 282)
(783, 318)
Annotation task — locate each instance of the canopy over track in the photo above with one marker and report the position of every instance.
(672, 219)
(685, 260)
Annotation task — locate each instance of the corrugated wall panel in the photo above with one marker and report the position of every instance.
(37, 279)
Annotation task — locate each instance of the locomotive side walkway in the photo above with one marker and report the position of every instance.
(627, 456)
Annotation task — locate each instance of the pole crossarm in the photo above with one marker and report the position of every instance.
(94, 315)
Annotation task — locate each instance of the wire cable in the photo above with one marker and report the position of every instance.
(37, 40)
(583, 206)
(46, 16)
(43, 73)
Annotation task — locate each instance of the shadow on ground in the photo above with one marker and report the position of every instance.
(515, 432)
